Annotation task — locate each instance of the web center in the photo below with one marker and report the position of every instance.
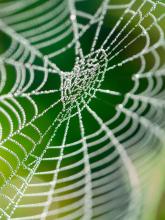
(82, 82)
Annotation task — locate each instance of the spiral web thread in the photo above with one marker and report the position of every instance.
(100, 173)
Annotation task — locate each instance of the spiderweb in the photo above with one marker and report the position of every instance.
(81, 107)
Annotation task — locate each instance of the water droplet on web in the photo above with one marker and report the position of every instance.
(73, 17)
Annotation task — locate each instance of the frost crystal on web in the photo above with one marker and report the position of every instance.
(81, 107)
